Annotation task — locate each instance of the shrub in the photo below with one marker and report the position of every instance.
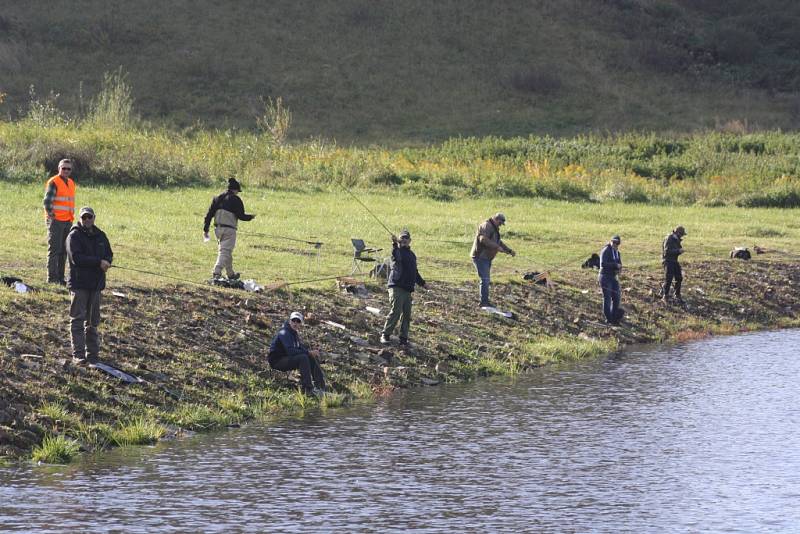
(275, 119)
(782, 198)
(383, 176)
(113, 107)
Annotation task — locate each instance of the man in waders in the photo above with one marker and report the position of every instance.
(610, 267)
(402, 279)
(59, 211)
(90, 257)
(485, 247)
(227, 210)
(671, 249)
(287, 352)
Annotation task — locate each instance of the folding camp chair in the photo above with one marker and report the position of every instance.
(362, 253)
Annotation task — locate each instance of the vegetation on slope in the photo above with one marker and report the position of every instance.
(416, 70)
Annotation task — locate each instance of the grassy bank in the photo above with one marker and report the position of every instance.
(202, 350)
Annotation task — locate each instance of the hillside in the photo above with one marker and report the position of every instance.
(416, 71)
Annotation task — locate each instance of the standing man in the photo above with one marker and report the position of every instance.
(287, 352)
(610, 267)
(671, 249)
(485, 247)
(90, 257)
(227, 210)
(402, 279)
(59, 211)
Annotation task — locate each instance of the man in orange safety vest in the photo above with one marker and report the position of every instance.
(59, 210)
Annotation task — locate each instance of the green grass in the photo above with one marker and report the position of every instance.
(332, 400)
(361, 391)
(546, 234)
(415, 71)
(139, 431)
(198, 417)
(547, 350)
(55, 450)
(60, 415)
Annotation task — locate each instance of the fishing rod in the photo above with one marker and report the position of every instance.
(159, 275)
(366, 208)
(315, 244)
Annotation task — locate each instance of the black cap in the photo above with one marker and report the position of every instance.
(233, 185)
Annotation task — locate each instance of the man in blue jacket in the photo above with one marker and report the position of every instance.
(287, 352)
(610, 267)
(90, 256)
(402, 279)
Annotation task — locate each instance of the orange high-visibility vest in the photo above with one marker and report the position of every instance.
(64, 201)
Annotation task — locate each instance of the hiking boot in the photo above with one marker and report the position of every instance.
(679, 300)
(385, 340)
(404, 342)
(234, 276)
(486, 304)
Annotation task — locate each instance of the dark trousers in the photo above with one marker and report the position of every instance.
(84, 316)
(308, 365)
(57, 232)
(672, 271)
(611, 294)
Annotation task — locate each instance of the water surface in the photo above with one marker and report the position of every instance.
(696, 437)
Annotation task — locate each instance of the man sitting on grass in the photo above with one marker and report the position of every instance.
(287, 352)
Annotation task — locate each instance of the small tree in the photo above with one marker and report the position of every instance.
(275, 119)
(113, 106)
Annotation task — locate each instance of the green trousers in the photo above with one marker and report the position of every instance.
(400, 303)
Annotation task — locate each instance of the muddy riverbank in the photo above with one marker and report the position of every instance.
(201, 353)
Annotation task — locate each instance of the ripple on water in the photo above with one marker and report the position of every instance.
(699, 436)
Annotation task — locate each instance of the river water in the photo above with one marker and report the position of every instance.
(702, 436)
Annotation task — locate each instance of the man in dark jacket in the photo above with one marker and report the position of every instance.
(671, 249)
(227, 210)
(402, 279)
(610, 267)
(287, 352)
(90, 256)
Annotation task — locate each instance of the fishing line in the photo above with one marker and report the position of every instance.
(366, 208)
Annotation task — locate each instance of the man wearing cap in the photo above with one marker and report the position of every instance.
(90, 256)
(402, 279)
(287, 352)
(227, 210)
(485, 247)
(59, 211)
(671, 249)
(610, 267)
